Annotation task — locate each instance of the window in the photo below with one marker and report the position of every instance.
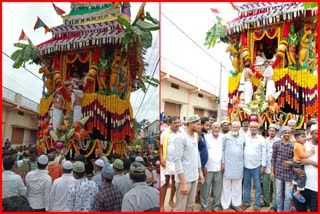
(174, 86)
(21, 113)
(200, 95)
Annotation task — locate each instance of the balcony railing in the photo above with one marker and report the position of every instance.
(26, 102)
(10, 95)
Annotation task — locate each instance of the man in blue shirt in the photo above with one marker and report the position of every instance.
(202, 147)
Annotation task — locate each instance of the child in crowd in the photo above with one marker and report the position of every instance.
(299, 153)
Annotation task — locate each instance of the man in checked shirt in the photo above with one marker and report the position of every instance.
(281, 169)
(109, 198)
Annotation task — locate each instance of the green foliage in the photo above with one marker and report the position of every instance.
(27, 52)
(147, 26)
(124, 22)
(217, 33)
(149, 18)
(147, 39)
(141, 29)
(146, 79)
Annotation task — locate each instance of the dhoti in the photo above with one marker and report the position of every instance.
(57, 117)
(77, 113)
(248, 92)
(271, 88)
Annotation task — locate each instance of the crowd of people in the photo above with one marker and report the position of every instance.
(34, 180)
(204, 159)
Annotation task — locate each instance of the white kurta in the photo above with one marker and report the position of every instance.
(58, 194)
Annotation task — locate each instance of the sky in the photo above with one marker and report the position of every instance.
(182, 58)
(18, 16)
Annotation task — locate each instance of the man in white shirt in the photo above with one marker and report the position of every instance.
(245, 127)
(187, 165)
(39, 184)
(225, 128)
(254, 166)
(266, 177)
(260, 57)
(167, 140)
(268, 80)
(311, 172)
(308, 130)
(58, 194)
(212, 170)
(12, 184)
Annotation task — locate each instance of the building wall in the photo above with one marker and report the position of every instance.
(152, 129)
(11, 118)
(171, 94)
(188, 98)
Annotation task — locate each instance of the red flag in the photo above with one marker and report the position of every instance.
(233, 6)
(58, 10)
(213, 10)
(40, 23)
(140, 13)
(23, 36)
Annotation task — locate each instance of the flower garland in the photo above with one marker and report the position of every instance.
(45, 105)
(71, 58)
(289, 82)
(120, 147)
(265, 33)
(108, 112)
(266, 118)
(84, 145)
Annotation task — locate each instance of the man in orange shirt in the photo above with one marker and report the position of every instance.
(54, 169)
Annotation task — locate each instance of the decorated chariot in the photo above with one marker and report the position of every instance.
(273, 50)
(90, 66)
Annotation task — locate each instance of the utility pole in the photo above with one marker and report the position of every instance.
(220, 100)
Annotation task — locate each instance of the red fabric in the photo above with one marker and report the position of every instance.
(286, 30)
(56, 61)
(276, 62)
(255, 72)
(96, 55)
(244, 41)
(64, 93)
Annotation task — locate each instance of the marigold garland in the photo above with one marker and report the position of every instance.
(288, 81)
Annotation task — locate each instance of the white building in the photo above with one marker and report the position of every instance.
(181, 98)
(19, 118)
